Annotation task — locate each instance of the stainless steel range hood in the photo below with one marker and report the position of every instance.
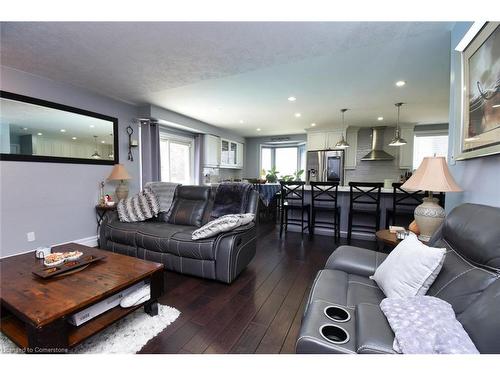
(377, 153)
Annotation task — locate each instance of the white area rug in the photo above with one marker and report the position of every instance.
(128, 335)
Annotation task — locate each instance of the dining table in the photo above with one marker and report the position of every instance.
(268, 192)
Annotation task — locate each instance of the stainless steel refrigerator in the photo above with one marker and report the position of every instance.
(325, 165)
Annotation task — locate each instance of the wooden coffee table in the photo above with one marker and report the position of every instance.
(35, 311)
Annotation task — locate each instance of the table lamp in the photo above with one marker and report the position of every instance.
(433, 175)
(119, 173)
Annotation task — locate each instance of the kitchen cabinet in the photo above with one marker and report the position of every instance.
(239, 156)
(211, 151)
(231, 154)
(350, 152)
(332, 138)
(406, 151)
(316, 141)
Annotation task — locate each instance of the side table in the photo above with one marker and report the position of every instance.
(387, 239)
(100, 212)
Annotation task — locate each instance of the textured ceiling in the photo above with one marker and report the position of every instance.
(222, 73)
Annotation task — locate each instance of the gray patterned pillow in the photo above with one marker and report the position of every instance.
(140, 207)
(222, 224)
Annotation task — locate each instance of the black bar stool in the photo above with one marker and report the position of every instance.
(364, 200)
(292, 199)
(403, 205)
(324, 199)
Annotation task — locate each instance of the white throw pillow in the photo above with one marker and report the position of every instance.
(410, 269)
(222, 224)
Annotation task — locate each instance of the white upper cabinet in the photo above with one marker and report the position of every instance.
(231, 154)
(316, 141)
(406, 151)
(211, 151)
(350, 152)
(333, 137)
(239, 156)
(323, 140)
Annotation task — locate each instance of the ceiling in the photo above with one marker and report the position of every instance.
(239, 75)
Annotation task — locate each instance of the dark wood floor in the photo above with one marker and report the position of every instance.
(260, 312)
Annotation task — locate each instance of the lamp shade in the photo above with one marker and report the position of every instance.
(119, 173)
(432, 175)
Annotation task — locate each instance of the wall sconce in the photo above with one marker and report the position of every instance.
(131, 143)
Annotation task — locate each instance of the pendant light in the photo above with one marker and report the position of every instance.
(95, 155)
(397, 140)
(342, 143)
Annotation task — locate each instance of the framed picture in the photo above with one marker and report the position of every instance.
(481, 94)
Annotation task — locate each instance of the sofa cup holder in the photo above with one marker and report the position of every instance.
(334, 334)
(337, 314)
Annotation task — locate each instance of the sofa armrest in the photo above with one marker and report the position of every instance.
(373, 332)
(234, 250)
(355, 260)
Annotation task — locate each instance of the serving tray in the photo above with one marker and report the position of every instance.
(47, 272)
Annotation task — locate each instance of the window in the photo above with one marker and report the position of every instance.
(286, 159)
(266, 158)
(427, 145)
(176, 158)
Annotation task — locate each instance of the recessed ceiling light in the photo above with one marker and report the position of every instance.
(380, 118)
(400, 83)
(258, 129)
(292, 98)
(103, 141)
(92, 126)
(298, 114)
(39, 134)
(241, 121)
(63, 130)
(73, 138)
(313, 124)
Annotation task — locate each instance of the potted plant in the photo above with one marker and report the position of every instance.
(272, 175)
(297, 175)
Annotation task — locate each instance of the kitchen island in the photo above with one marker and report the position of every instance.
(343, 204)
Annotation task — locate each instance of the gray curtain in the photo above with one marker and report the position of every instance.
(198, 152)
(150, 152)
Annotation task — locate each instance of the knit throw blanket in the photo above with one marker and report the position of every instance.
(140, 207)
(231, 198)
(165, 192)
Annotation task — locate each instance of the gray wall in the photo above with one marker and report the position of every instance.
(56, 201)
(374, 171)
(479, 178)
(252, 153)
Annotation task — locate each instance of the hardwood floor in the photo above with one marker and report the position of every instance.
(260, 312)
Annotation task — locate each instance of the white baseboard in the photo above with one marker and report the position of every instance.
(87, 241)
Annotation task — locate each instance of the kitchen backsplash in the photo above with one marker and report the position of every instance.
(374, 171)
(215, 175)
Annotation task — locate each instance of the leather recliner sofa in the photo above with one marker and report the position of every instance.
(221, 257)
(468, 280)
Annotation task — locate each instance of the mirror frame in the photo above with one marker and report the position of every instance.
(62, 107)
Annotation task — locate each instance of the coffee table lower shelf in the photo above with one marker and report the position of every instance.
(15, 329)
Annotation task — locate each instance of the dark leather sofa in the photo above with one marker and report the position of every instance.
(469, 281)
(222, 257)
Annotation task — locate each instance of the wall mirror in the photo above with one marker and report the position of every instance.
(37, 130)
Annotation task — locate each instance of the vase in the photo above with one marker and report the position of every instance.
(429, 216)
